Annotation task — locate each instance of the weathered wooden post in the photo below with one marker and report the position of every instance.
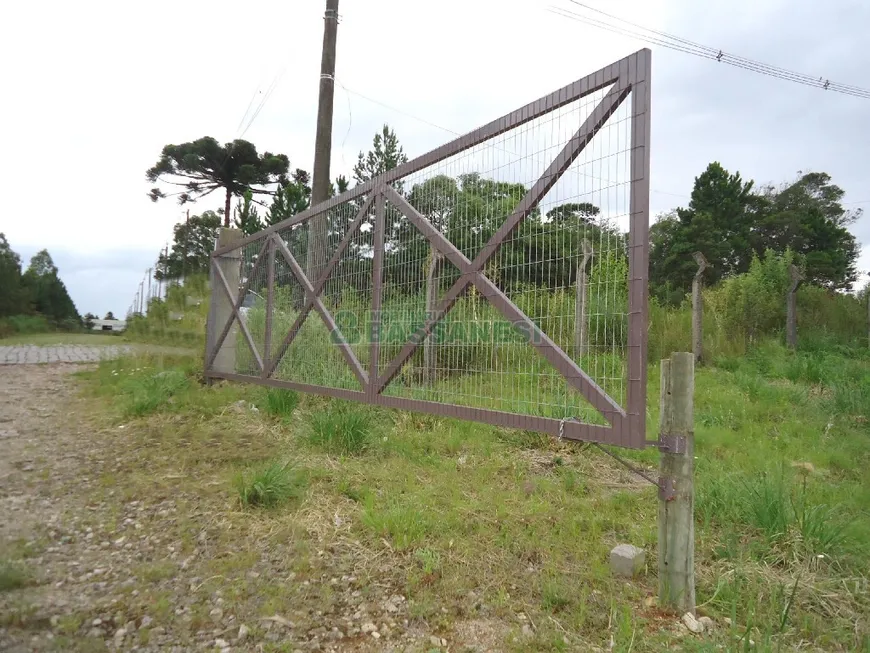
(431, 302)
(791, 306)
(581, 319)
(698, 307)
(221, 307)
(676, 551)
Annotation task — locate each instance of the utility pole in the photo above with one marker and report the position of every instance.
(323, 142)
(148, 296)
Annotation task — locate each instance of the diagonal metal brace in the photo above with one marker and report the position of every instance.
(667, 489)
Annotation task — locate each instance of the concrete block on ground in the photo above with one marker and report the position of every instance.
(627, 559)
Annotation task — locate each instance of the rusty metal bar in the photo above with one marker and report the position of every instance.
(576, 431)
(542, 343)
(235, 305)
(321, 281)
(565, 95)
(638, 71)
(571, 151)
(429, 231)
(237, 316)
(334, 331)
(270, 304)
(377, 292)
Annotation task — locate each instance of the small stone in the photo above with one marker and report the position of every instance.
(626, 559)
(368, 627)
(527, 631)
(243, 633)
(120, 634)
(216, 614)
(376, 634)
(146, 621)
(707, 623)
(727, 621)
(97, 622)
(221, 643)
(692, 624)
(435, 641)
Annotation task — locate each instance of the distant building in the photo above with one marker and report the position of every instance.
(109, 325)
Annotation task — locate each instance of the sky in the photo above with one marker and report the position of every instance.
(94, 90)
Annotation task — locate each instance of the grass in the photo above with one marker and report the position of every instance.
(13, 575)
(341, 428)
(45, 339)
(269, 485)
(280, 403)
(444, 510)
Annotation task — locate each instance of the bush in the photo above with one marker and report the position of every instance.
(270, 485)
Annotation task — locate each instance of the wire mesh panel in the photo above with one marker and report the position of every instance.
(501, 277)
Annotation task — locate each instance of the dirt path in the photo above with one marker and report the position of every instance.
(101, 550)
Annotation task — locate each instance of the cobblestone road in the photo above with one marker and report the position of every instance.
(32, 354)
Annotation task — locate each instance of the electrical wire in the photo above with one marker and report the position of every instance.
(686, 46)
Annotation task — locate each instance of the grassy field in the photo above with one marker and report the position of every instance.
(43, 339)
(505, 532)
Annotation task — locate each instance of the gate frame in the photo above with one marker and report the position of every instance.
(629, 76)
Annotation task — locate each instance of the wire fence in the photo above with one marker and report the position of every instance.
(501, 277)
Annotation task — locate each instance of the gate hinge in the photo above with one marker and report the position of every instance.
(667, 488)
(672, 443)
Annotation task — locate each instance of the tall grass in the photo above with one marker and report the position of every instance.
(269, 485)
(341, 428)
(779, 506)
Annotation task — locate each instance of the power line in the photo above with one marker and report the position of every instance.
(679, 44)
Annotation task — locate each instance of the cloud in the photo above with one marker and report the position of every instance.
(97, 88)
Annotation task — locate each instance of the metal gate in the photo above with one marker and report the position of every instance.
(501, 277)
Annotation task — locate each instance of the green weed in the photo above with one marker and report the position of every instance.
(279, 402)
(270, 485)
(12, 575)
(342, 428)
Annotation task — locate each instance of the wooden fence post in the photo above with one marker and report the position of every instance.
(698, 307)
(791, 306)
(220, 309)
(676, 550)
(581, 319)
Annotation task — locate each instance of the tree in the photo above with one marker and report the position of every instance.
(109, 316)
(386, 154)
(192, 245)
(806, 217)
(290, 198)
(247, 217)
(730, 224)
(89, 320)
(716, 223)
(14, 298)
(573, 212)
(203, 166)
(50, 296)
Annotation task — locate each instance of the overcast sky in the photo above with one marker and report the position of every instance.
(93, 90)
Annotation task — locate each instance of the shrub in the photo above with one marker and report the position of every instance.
(270, 485)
